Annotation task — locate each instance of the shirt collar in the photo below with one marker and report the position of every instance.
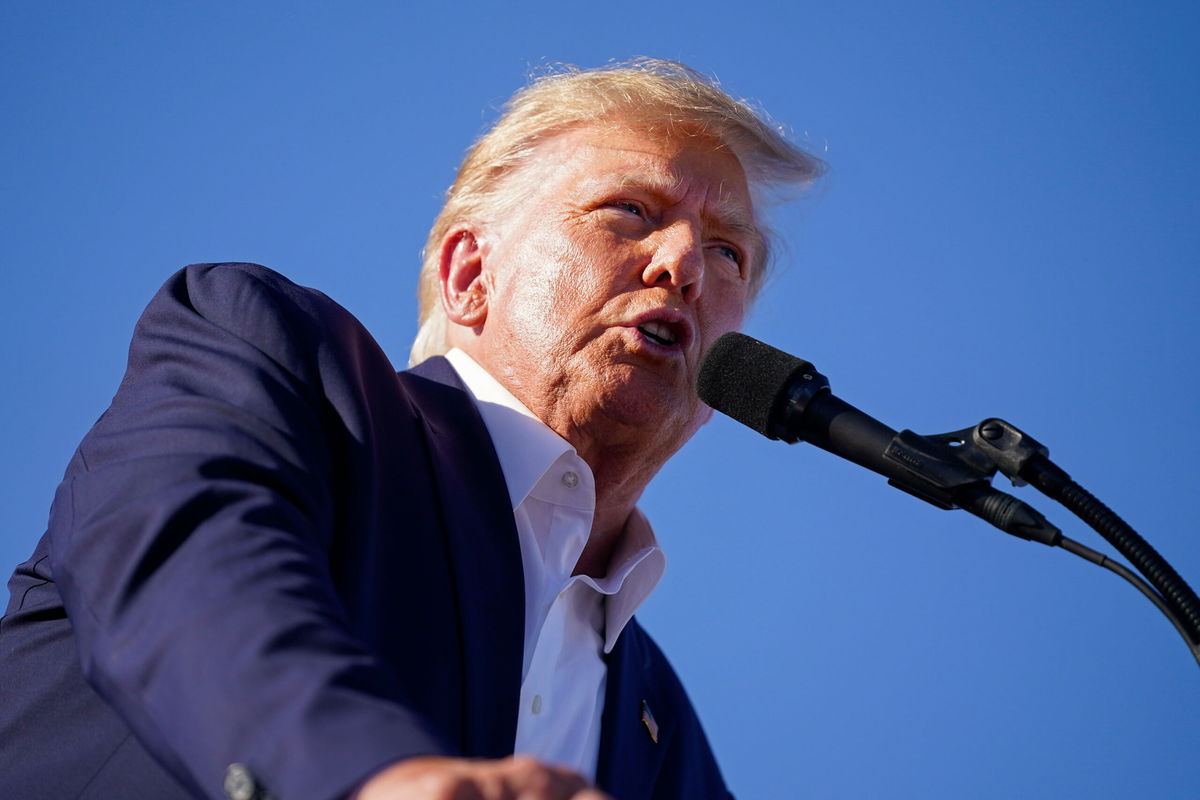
(527, 448)
(637, 567)
(525, 445)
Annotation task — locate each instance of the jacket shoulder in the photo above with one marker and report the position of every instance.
(253, 302)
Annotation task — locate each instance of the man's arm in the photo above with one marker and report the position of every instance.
(190, 540)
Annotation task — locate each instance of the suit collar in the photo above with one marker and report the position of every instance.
(487, 564)
(484, 555)
(524, 444)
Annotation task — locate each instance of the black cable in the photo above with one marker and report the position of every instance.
(1088, 554)
(1043, 474)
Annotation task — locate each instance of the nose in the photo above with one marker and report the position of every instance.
(677, 262)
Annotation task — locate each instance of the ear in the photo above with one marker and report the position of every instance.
(464, 289)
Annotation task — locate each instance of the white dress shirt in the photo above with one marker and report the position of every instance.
(570, 620)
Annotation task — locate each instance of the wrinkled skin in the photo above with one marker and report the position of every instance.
(592, 300)
(613, 230)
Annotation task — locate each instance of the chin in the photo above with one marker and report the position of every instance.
(657, 413)
(637, 397)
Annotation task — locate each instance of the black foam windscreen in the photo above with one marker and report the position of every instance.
(747, 379)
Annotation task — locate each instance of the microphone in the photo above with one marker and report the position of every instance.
(784, 397)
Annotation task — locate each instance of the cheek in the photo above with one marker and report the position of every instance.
(576, 275)
(547, 287)
(725, 313)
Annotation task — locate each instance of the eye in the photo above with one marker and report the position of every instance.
(732, 254)
(630, 207)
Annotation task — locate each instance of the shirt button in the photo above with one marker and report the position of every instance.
(536, 705)
(240, 783)
(570, 479)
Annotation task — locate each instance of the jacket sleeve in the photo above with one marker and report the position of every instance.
(190, 541)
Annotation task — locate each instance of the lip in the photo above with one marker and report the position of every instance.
(679, 323)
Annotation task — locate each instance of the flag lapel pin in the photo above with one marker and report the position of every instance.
(648, 721)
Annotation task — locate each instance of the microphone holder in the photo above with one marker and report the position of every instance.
(954, 470)
(948, 470)
(788, 399)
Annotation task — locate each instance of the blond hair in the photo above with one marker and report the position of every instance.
(649, 94)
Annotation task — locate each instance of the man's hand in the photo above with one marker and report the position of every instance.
(515, 778)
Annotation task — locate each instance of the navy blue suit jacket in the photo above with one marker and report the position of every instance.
(274, 550)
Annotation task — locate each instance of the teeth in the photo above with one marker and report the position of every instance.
(659, 331)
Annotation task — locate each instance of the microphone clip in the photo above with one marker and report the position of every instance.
(954, 470)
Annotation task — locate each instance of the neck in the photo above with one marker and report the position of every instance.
(621, 475)
(624, 450)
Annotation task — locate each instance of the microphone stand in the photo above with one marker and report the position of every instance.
(954, 470)
(1023, 460)
(784, 397)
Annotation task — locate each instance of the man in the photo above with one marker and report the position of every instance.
(276, 566)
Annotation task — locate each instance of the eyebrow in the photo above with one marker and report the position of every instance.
(727, 215)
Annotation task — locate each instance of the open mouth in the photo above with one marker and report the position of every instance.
(661, 333)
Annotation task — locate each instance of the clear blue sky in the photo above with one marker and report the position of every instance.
(1009, 228)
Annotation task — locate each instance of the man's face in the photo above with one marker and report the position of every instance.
(625, 257)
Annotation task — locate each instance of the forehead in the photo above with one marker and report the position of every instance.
(571, 170)
(677, 165)
(670, 159)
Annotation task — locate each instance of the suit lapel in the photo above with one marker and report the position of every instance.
(635, 713)
(486, 559)
(484, 553)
